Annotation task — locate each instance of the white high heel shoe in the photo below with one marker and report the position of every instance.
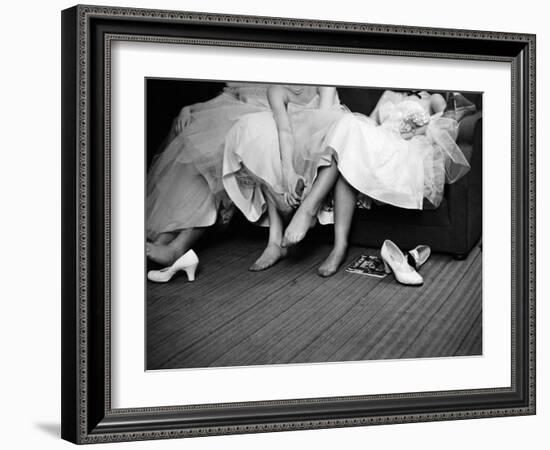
(188, 262)
(394, 260)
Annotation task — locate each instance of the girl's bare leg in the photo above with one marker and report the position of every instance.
(305, 215)
(274, 251)
(153, 249)
(344, 207)
(166, 254)
(165, 238)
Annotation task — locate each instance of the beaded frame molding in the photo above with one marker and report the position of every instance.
(87, 35)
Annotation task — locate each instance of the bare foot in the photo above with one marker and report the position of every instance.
(331, 265)
(269, 257)
(301, 222)
(162, 254)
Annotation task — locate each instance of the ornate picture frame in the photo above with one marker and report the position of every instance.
(87, 35)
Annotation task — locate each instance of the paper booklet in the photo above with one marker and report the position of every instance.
(368, 265)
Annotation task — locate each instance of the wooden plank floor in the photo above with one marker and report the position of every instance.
(288, 314)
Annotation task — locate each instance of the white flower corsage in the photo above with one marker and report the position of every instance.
(412, 121)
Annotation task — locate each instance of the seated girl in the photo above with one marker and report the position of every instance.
(401, 155)
(185, 194)
(272, 158)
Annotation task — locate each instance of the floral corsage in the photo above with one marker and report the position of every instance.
(412, 121)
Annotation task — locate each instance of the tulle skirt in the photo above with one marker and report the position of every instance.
(184, 183)
(382, 165)
(252, 157)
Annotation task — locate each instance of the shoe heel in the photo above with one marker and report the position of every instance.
(387, 267)
(190, 271)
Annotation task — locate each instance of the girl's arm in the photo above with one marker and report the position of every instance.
(183, 119)
(437, 103)
(326, 96)
(375, 112)
(277, 97)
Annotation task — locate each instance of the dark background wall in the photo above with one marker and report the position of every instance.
(165, 98)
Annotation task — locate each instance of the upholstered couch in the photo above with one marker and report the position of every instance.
(454, 227)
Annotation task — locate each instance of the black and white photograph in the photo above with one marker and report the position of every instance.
(282, 223)
(300, 224)
(248, 225)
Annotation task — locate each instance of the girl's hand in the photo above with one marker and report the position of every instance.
(296, 186)
(183, 119)
(291, 200)
(407, 135)
(416, 132)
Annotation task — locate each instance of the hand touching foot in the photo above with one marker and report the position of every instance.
(286, 203)
(333, 262)
(271, 255)
(280, 202)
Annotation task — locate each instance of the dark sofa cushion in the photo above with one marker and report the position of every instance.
(391, 215)
(467, 149)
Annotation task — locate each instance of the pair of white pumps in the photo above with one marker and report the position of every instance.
(404, 267)
(188, 263)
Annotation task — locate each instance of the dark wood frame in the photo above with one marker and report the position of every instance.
(87, 33)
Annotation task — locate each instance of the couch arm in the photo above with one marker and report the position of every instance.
(465, 196)
(466, 128)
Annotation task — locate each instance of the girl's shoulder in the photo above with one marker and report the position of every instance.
(277, 93)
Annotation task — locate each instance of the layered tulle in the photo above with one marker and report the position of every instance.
(184, 183)
(252, 157)
(377, 159)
